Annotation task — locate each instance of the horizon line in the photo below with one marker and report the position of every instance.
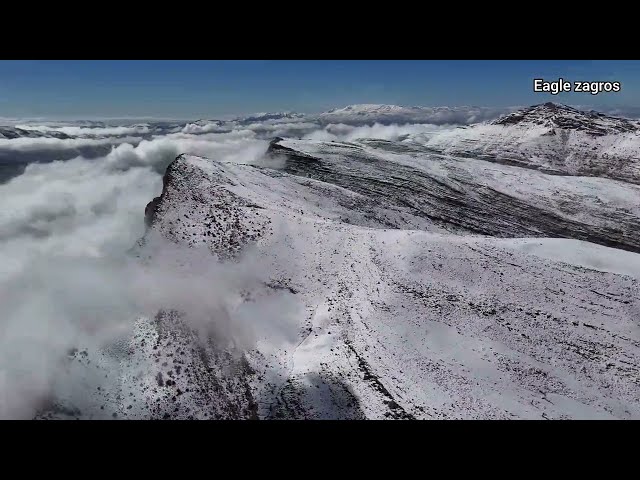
(230, 117)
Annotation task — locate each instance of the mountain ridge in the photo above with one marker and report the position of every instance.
(550, 137)
(379, 294)
(556, 115)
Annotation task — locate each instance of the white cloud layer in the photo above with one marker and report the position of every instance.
(342, 132)
(66, 279)
(77, 131)
(29, 144)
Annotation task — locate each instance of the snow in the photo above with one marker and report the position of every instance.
(593, 202)
(402, 309)
(556, 139)
(576, 252)
(405, 323)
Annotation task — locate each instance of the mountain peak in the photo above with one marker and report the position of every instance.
(557, 115)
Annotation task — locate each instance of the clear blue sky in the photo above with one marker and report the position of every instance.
(195, 89)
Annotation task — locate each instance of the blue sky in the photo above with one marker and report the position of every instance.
(196, 89)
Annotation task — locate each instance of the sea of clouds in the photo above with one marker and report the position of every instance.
(73, 200)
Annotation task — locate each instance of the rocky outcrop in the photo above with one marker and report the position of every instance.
(151, 208)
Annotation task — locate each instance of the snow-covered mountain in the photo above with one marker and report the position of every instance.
(367, 114)
(464, 195)
(554, 115)
(553, 138)
(402, 318)
(423, 284)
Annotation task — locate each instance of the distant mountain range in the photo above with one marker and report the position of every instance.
(354, 115)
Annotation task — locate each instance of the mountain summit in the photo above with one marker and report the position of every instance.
(555, 115)
(553, 138)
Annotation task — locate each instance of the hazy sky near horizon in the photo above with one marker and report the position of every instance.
(206, 89)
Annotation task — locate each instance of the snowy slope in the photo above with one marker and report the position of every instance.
(552, 138)
(393, 322)
(403, 280)
(466, 195)
(407, 323)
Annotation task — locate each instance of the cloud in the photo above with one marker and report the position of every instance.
(30, 144)
(205, 127)
(282, 129)
(62, 228)
(342, 132)
(239, 147)
(67, 281)
(78, 131)
(270, 128)
(58, 303)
